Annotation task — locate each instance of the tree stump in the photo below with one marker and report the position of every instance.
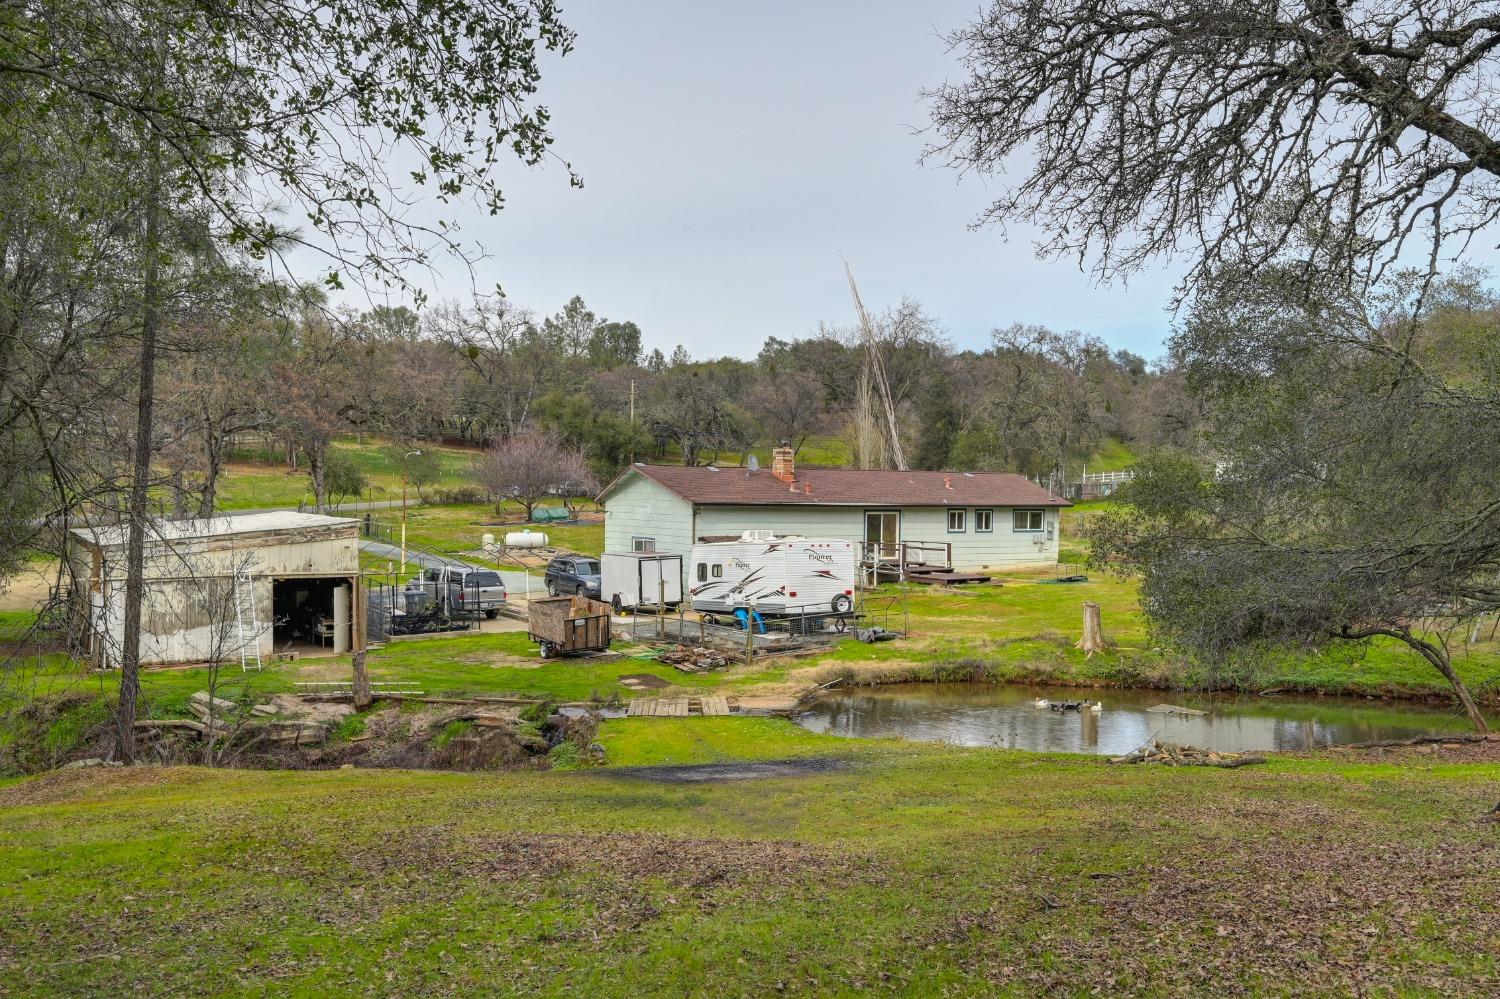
(1093, 632)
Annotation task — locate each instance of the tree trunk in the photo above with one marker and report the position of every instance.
(1093, 632)
(317, 468)
(1439, 658)
(213, 461)
(140, 486)
(362, 696)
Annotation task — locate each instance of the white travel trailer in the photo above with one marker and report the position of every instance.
(640, 579)
(777, 576)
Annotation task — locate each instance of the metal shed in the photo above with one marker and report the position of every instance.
(226, 589)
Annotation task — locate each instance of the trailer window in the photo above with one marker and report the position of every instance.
(718, 572)
(702, 572)
(639, 544)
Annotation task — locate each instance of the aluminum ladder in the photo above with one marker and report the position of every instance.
(249, 627)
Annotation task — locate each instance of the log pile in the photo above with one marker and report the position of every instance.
(1172, 755)
(694, 658)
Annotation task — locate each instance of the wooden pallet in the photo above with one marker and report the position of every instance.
(713, 705)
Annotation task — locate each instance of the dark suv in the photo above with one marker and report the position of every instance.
(573, 574)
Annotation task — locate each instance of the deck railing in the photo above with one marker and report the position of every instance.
(886, 558)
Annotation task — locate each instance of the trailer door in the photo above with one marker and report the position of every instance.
(661, 579)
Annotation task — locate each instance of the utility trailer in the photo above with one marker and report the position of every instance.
(776, 577)
(631, 580)
(564, 626)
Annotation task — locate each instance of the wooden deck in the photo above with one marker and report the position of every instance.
(678, 707)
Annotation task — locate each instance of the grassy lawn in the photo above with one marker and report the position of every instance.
(460, 527)
(260, 483)
(914, 870)
(1025, 630)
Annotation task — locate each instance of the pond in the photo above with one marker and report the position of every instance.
(1005, 715)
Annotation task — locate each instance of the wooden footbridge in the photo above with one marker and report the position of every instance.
(678, 707)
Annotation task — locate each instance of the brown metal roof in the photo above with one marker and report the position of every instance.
(708, 486)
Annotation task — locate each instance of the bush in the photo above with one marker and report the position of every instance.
(343, 478)
(459, 494)
(566, 756)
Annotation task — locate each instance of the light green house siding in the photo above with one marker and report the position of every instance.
(809, 521)
(639, 507)
(1003, 546)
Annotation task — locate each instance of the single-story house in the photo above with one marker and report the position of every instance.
(976, 520)
(221, 589)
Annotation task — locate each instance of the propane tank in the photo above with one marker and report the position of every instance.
(525, 539)
(487, 541)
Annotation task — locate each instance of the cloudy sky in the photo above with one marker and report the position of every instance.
(733, 153)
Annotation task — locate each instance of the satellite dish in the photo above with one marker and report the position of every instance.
(753, 463)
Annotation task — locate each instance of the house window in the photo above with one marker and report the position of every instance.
(984, 521)
(718, 572)
(639, 544)
(1028, 520)
(956, 519)
(702, 572)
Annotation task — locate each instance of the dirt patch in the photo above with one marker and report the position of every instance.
(78, 783)
(645, 681)
(1478, 751)
(1239, 914)
(634, 856)
(29, 588)
(711, 773)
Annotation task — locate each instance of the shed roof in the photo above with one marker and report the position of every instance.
(709, 486)
(264, 522)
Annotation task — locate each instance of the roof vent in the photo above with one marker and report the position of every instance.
(758, 535)
(968, 475)
(713, 468)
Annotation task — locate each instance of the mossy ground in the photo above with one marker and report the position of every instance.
(914, 870)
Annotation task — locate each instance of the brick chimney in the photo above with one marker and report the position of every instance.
(783, 462)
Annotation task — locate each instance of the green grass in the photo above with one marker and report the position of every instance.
(265, 483)
(916, 870)
(1111, 456)
(1025, 630)
(643, 742)
(460, 528)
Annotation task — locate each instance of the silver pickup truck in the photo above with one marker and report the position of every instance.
(464, 589)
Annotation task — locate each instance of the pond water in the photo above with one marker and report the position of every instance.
(984, 714)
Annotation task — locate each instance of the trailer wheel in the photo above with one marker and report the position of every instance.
(708, 619)
(842, 604)
(547, 650)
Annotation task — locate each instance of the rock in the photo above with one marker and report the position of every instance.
(347, 766)
(92, 761)
(206, 700)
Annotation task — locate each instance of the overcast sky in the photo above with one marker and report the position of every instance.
(731, 153)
